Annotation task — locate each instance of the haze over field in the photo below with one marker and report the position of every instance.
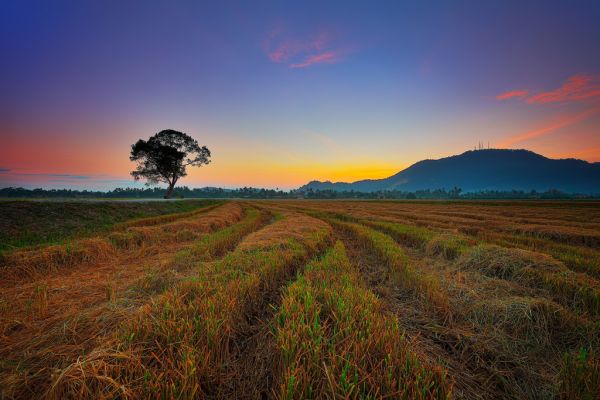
(284, 93)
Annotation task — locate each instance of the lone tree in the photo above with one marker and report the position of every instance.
(164, 157)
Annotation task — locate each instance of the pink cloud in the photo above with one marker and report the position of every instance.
(576, 88)
(559, 123)
(511, 94)
(328, 57)
(280, 54)
(302, 53)
(579, 90)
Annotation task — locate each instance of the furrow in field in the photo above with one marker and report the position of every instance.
(207, 248)
(533, 270)
(163, 219)
(134, 242)
(184, 343)
(576, 247)
(76, 318)
(506, 329)
(334, 340)
(576, 291)
(575, 243)
(422, 324)
(252, 369)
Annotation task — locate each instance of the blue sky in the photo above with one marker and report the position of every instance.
(285, 92)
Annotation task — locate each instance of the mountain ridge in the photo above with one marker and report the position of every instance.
(479, 170)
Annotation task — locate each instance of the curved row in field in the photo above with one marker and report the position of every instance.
(577, 291)
(335, 341)
(251, 300)
(506, 307)
(71, 316)
(163, 219)
(397, 266)
(207, 247)
(179, 345)
(32, 263)
(569, 234)
(25, 224)
(509, 327)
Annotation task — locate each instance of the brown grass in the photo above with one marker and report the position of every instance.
(179, 230)
(181, 342)
(33, 263)
(575, 290)
(476, 299)
(335, 340)
(71, 309)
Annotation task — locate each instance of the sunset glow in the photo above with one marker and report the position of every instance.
(287, 94)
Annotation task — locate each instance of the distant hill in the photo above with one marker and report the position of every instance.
(490, 169)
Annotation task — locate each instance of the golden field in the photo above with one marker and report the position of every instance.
(311, 299)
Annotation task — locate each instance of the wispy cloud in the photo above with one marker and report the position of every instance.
(556, 124)
(303, 52)
(327, 57)
(576, 88)
(4, 169)
(579, 91)
(511, 94)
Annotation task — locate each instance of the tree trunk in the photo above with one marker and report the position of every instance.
(169, 191)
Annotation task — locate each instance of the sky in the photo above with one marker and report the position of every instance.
(284, 92)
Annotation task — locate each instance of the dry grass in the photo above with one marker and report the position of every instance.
(178, 230)
(448, 246)
(81, 304)
(399, 269)
(576, 290)
(33, 263)
(335, 341)
(580, 376)
(163, 219)
(182, 341)
(432, 300)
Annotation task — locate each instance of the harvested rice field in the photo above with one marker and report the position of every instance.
(307, 300)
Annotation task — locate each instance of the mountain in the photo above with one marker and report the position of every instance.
(490, 169)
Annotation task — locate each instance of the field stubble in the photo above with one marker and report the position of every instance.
(309, 299)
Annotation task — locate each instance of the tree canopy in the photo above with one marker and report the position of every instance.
(164, 157)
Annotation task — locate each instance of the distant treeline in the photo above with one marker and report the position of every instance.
(146, 193)
(455, 193)
(257, 193)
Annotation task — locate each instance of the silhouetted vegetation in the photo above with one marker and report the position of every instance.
(165, 156)
(260, 193)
